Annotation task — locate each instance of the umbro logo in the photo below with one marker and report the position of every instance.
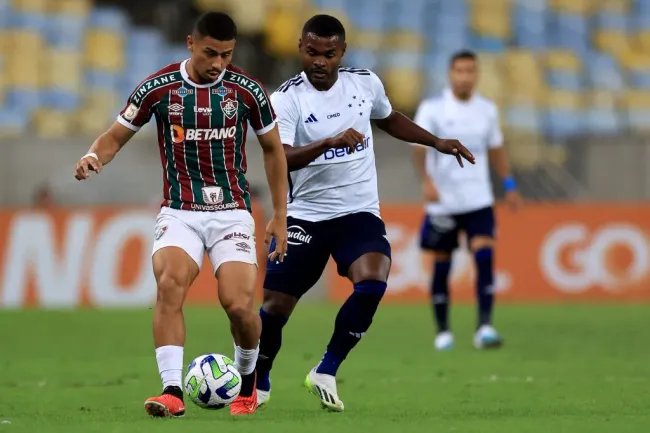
(311, 119)
(176, 109)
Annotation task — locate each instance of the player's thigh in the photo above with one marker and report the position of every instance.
(307, 254)
(361, 251)
(439, 234)
(480, 228)
(177, 255)
(230, 243)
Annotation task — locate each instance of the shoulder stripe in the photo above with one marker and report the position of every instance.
(356, 71)
(152, 84)
(295, 81)
(248, 84)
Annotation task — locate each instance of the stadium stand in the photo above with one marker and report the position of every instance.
(556, 68)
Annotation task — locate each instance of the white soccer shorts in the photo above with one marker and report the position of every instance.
(227, 236)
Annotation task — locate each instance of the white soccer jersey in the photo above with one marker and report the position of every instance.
(475, 123)
(337, 183)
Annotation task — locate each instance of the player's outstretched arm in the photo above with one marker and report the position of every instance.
(103, 150)
(403, 128)
(275, 165)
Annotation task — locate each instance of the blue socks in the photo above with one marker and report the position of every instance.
(270, 343)
(352, 322)
(484, 284)
(440, 294)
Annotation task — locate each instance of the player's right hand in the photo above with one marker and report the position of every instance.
(85, 165)
(347, 139)
(277, 229)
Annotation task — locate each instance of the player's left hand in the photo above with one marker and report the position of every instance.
(453, 147)
(514, 200)
(277, 229)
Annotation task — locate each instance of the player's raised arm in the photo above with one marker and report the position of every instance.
(403, 128)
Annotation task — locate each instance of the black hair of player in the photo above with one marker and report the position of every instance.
(462, 55)
(324, 26)
(217, 25)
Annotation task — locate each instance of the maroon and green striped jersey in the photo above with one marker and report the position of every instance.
(201, 134)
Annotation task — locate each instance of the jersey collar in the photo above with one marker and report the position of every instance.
(187, 78)
(449, 94)
(311, 86)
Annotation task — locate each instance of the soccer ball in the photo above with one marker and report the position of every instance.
(212, 381)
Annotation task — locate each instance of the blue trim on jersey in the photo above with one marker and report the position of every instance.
(295, 81)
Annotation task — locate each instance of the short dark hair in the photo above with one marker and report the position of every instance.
(324, 26)
(217, 25)
(462, 54)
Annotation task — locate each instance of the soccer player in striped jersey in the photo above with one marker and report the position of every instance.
(202, 107)
(324, 117)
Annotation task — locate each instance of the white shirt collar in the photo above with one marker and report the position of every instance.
(311, 86)
(187, 78)
(449, 95)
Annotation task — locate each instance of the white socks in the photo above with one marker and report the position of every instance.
(245, 359)
(170, 365)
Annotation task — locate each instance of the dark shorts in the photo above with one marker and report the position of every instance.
(311, 244)
(440, 232)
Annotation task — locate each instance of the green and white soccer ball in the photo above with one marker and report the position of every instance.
(212, 381)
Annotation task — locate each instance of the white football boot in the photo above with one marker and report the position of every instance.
(444, 341)
(324, 387)
(487, 338)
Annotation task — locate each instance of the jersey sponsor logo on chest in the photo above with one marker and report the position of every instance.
(332, 154)
(180, 134)
(203, 110)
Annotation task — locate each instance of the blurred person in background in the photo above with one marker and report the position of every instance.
(462, 200)
(203, 106)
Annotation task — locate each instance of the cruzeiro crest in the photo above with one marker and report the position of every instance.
(229, 107)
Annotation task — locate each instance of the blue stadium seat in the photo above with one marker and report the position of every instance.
(566, 80)
(612, 21)
(533, 4)
(33, 21)
(109, 18)
(144, 52)
(603, 72)
(639, 79)
(400, 59)
(563, 123)
(524, 118)
(487, 44)
(12, 119)
(569, 31)
(365, 15)
(642, 22)
(5, 11)
(176, 53)
(401, 17)
(66, 31)
(436, 66)
(360, 58)
(529, 27)
(603, 121)
(22, 100)
(97, 80)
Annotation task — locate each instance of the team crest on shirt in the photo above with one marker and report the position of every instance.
(160, 231)
(229, 107)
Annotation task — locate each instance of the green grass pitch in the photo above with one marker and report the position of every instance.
(563, 369)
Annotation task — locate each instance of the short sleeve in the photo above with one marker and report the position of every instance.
(381, 107)
(262, 117)
(137, 111)
(495, 138)
(288, 116)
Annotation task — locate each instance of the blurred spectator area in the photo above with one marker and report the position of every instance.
(556, 68)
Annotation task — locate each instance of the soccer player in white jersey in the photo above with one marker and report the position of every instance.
(324, 118)
(462, 200)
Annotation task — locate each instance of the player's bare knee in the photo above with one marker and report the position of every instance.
(239, 312)
(277, 303)
(481, 242)
(441, 256)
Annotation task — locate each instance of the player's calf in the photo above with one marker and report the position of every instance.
(236, 291)
(274, 315)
